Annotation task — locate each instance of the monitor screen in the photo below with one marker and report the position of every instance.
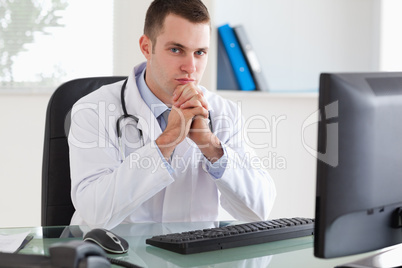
(359, 166)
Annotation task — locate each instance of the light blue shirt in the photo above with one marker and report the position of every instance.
(157, 107)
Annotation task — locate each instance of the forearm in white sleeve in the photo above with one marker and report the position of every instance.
(104, 189)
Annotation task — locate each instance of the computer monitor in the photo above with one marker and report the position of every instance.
(359, 166)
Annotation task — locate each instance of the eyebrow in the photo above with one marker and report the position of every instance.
(182, 46)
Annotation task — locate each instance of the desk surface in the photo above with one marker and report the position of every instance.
(296, 252)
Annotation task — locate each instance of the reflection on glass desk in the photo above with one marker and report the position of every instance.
(297, 252)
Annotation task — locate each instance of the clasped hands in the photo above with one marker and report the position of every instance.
(188, 118)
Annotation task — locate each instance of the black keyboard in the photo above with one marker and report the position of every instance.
(231, 236)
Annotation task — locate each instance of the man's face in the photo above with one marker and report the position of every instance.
(179, 56)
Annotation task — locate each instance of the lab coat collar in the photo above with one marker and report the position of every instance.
(137, 106)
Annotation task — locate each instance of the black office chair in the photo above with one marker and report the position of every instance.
(57, 207)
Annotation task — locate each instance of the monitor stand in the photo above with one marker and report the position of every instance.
(388, 258)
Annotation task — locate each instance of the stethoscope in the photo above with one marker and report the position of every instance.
(127, 115)
(124, 116)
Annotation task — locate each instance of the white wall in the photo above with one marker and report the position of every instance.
(22, 119)
(279, 121)
(391, 39)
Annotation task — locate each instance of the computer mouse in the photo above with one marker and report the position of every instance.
(107, 240)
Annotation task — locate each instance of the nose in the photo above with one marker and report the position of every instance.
(188, 65)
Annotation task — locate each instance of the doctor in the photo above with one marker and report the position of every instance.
(177, 152)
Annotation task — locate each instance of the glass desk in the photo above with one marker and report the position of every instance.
(296, 252)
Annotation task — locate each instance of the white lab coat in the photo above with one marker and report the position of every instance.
(107, 190)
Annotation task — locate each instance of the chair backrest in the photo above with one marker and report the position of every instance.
(57, 208)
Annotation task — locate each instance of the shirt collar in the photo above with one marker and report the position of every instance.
(156, 106)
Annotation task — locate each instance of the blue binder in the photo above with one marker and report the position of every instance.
(237, 59)
(226, 78)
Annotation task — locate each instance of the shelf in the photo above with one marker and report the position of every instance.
(260, 94)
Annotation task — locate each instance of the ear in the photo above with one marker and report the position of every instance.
(146, 46)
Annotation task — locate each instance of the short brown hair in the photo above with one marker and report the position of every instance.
(192, 10)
